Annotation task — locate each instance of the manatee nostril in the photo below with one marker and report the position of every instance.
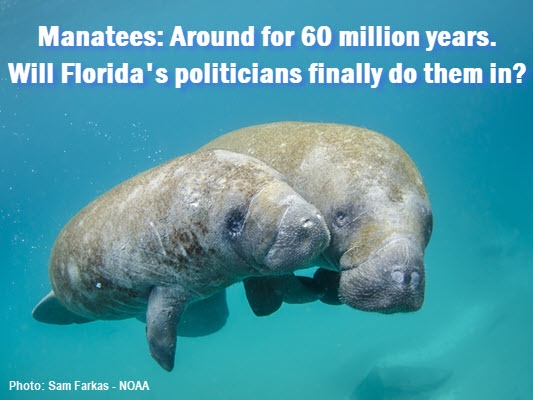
(412, 279)
(398, 276)
(307, 223)
(415, 278)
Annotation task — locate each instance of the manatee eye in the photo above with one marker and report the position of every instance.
(340, 218)
(234, 223)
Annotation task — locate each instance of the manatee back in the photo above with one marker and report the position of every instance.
(297, 149)
(346, 172)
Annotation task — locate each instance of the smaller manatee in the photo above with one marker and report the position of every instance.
(178, 234)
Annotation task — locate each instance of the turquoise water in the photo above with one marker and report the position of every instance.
(63, 145)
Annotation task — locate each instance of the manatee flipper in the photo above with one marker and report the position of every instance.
(300, 289)
(205, 316)
(266, 294)
(51, 311)
(263, 296)
(165, 306)
(328, 282)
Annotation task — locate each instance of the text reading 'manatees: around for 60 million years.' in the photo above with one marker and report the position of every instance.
(323, 36)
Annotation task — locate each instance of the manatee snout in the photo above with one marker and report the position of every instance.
(282, 231)
(391, 280)
(301, 231)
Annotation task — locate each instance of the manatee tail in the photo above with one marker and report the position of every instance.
(51, 311)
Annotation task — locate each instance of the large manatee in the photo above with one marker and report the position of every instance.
(177, 234)
(375, 205)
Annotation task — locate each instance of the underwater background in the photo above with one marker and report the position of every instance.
(61, 146)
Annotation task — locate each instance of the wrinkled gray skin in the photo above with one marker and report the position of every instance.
(174, 235)
(372, 197)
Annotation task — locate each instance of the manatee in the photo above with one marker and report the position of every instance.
(375, 205)
(177, 234)
(264, 295)
(401, 383)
